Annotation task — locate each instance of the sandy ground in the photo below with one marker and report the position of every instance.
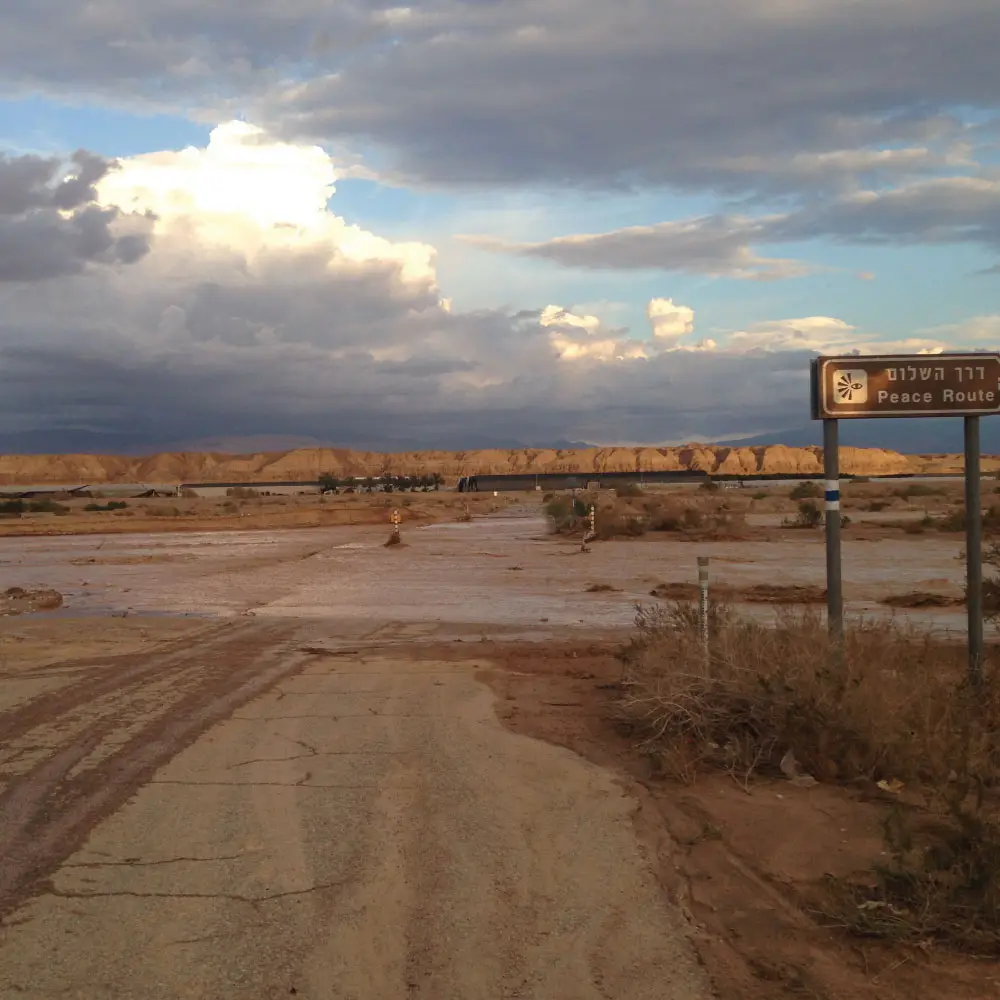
(265, 764)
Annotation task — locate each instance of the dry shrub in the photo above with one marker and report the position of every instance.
(161, 511)
(805, 491)
(955, 520)
(922, 599)
(630, 491)
(897, 708)
(809, 516)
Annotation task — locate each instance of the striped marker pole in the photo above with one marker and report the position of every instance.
(591, 532)
(834, 590)
(703, 601)
(395, 518)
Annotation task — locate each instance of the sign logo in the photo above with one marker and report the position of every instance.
(851, 385)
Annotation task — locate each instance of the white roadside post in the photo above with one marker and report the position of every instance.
(591, 533)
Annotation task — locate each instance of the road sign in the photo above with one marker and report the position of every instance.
(907, 385)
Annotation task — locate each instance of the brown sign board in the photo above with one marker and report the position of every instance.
(905, 385)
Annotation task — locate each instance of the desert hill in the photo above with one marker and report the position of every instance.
(309, 463)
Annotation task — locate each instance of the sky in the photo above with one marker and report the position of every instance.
(481, 223)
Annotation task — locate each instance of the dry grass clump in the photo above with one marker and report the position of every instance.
(637, 516)
(955, 520)
(758, 593)
(161, 511)
(898, 709)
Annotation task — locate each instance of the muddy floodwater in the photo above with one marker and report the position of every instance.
(504, 572)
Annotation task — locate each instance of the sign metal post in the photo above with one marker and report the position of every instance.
(973, 550)
(910, 385)
(703, 602)
(834, 589)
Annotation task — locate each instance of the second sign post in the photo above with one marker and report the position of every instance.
(917, 385)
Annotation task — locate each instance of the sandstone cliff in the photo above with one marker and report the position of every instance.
(309, 463)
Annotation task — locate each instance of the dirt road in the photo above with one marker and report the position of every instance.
(234, 815)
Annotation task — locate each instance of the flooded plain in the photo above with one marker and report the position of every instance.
(501, 573)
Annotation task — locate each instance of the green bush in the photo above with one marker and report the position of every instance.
(809, 515)
(805, 491)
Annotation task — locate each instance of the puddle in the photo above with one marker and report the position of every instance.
(111, 612)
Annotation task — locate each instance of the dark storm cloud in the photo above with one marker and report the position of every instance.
(160, 50)
(746, 97)
(67, 396)
(49, 223)
(732, 95)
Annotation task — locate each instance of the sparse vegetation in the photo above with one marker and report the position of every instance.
(17, 507)
(110, 505)
(899, 713)
(387, 482)
(630, 491)
(955, 520)
(912, 490)
(807, 490)
(165, 511)
(809, 516)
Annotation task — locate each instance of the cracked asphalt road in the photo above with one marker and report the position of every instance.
(231, 815)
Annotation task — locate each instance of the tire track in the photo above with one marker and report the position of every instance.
(47, 813)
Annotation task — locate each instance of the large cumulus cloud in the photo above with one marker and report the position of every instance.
(260, 311)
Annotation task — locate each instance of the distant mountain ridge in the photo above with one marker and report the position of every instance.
(309, 463)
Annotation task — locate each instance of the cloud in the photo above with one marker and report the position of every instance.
(50, 223)
(734, 96)
(260, 311)
(931, 212)
(976, 331)
(158, 51)
(716, 246)
(575, 337)
(822, 335)
(669, 322)
(763, 97)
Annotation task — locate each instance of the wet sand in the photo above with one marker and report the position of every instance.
(498, 574)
